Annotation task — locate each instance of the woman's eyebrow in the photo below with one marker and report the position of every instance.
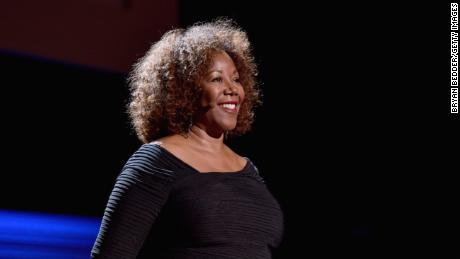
(235, 72)
(214, 70)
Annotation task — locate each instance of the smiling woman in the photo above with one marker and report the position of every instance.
(185, 193)
(167, 83)
(222, 96)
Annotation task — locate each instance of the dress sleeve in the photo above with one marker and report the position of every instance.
(135, 202)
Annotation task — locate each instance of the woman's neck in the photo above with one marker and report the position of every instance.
(201, 139)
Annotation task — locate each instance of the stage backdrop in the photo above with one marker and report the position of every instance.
(103, 34)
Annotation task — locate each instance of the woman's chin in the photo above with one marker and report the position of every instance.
(228, 126)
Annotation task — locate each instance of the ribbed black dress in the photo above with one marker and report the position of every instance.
(161, 207)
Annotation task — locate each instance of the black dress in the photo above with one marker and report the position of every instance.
(161, 207)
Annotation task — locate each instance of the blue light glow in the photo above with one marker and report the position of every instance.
(42, 235)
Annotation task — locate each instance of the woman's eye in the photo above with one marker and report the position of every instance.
(237, 79)
(217, 79)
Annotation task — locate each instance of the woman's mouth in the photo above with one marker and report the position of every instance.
(231, 107)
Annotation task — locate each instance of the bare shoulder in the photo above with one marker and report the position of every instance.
(173, 143)
(173, 140)
(236, 157)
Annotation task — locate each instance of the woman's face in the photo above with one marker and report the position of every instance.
(222, 95)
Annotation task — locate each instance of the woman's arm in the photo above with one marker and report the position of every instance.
(133, 206)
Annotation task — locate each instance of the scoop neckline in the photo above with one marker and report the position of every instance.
(196, 170)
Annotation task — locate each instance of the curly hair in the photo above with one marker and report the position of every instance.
(164, 90)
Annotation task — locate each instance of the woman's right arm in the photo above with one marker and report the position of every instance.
(133, 206)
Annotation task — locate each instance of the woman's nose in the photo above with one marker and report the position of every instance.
(230, 89)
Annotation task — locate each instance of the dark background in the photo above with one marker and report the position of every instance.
(355, 131)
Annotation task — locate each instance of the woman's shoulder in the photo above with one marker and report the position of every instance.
(151, 159)
(249, 166)
(242, 161)
(254, 171)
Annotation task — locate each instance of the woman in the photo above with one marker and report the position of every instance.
(184, 193)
